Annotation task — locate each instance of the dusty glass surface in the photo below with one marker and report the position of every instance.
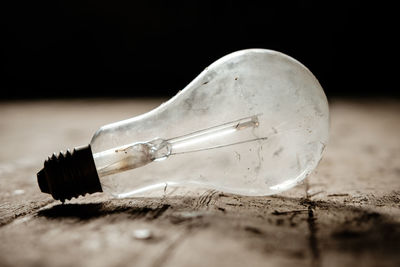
(255, 122)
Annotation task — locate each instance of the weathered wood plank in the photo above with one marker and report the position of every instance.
(345, 214)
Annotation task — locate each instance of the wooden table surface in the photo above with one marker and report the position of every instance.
(347, 213)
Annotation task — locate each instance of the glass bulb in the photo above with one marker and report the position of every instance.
(255, 122)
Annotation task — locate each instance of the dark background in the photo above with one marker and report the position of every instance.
(154, 48)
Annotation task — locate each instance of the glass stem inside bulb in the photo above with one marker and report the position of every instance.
(141, 153)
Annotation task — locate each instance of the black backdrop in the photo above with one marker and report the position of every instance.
(147, 48)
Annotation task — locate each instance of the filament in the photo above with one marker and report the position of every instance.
(220, 146)
(139, 154)
(213, 133)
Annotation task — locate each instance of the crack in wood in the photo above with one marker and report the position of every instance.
(205, 199)
(313, 240)
(312, 227)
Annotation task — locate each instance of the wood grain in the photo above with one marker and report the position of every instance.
(347, 213)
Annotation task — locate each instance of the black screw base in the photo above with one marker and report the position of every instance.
(69, 175)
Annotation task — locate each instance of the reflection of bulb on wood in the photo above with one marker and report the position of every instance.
(255, 122)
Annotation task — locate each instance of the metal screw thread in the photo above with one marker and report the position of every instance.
(69, 174)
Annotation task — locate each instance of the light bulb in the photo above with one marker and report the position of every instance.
(255, 122)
